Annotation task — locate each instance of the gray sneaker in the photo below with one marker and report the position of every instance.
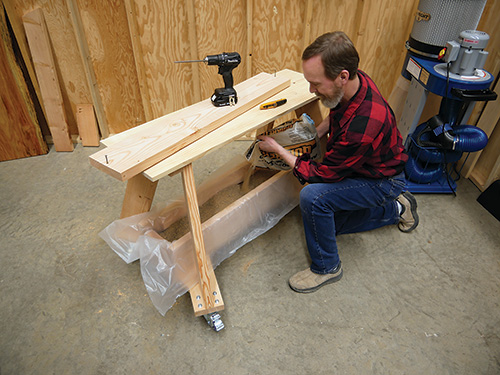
(307, 281)
(409, 217)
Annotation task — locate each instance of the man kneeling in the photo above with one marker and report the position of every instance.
(360, 183)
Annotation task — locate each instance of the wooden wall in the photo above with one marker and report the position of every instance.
(127, 70)
(132, 46)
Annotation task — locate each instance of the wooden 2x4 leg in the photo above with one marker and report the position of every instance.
(206, 297)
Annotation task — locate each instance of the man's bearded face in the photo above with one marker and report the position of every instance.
(331, 101)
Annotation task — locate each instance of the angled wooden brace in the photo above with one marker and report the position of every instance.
(205, 296)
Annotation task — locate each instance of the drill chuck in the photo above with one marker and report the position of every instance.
(224, 59)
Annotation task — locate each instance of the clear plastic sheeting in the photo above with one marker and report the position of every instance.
(166, 271)
(170, 269)
(123, 236)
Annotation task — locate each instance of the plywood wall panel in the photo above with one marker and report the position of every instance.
(278, 28)
(220, 28)
(385, 26)
(110, 47)
(163, 29)
(489, 24)
(335, 15)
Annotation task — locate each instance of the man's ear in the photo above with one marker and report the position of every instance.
(344, 76)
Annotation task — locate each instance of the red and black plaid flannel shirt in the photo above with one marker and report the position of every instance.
(364, 141)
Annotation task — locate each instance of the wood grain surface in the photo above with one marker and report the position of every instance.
(87, 126)
(110, 47)
(297, 95)
(41, 52)
(20, 134)
(210, 299)
(160, 138)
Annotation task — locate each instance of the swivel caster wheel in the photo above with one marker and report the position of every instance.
(214, 321)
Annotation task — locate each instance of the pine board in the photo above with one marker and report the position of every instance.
(87, 125)
(297, 95)
(41, 52)
(142, 147)
(211, 299)
(69, 65)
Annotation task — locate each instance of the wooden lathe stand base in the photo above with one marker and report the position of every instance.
(206, 296)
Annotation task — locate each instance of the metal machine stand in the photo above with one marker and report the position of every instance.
(459, 94)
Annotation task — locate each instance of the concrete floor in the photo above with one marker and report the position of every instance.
(419, 303)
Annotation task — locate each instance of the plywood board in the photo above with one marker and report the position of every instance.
(144, 146)
(487, 122)
(487, 167)
(382, 57)
(220, 28)
(83, 47)
(163, 29)
(138, 57)
(41, 52)
(331, 15)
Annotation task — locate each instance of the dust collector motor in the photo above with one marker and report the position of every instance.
(470, 53)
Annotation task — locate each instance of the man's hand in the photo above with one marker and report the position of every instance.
(268, 144)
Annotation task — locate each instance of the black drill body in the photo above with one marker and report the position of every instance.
(226, 63)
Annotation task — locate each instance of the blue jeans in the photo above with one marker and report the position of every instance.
(349, 206)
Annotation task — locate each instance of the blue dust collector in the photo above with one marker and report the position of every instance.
(452, 69)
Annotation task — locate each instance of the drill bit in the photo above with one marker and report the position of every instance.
(190, 61)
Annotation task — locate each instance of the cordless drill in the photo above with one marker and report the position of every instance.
(226, 62)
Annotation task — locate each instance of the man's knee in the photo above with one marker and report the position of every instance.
(311, 194)
(306, 196)
(323, 196)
